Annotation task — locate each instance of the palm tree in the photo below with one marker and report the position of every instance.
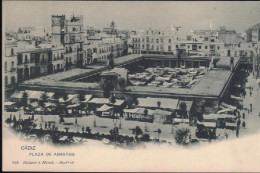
(183, 108)
(43, 99)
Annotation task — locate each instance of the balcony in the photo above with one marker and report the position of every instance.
(12, 69)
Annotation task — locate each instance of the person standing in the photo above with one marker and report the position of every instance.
(244, 116)
(244, 124)
(238, 126)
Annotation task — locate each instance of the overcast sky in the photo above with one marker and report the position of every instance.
(135, 15)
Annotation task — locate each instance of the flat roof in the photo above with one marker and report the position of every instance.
(210, 85)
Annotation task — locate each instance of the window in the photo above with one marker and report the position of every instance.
(161, 40)
(12, 51)
(6, 80)
(143, 46)
(5, 65)
(170, 40)
(157, 40)
(13, 80)
(199, 47)
(147, 39)
(218, 47)
(188, 47)
(152, 47)
(159, 33)
(143, 40)
(206, 47)
(177, 46)
(25, 59)
(12, 64)
(42, 58)
(169, 48)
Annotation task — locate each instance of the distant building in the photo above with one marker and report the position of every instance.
(253, 34)
(111, 29)
(31, 33)
(10, 62)
(69, 33)
(32, 63)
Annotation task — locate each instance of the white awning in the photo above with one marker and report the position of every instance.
(73, 106)
(104, 108)
(217, 116)
(9, 103)
(131, 110)
(179, 120)
(235, 97)
(228, 106)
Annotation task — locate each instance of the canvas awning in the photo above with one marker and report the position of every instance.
(17, 94)
(228, 106)
(73, 106)
(49, 104)
(104, 108)
(131, 110)
(179, 120)
(87, 98)
(217, 116)
(34, 104)
(9, 103)
(235, 97)
(162, 112)
(225, 110)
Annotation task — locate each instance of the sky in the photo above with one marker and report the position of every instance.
(135, 15)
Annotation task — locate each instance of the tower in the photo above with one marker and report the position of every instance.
(58, 29)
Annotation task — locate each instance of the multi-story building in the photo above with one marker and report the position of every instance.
(10, 62)
(157, 42)
(32, 63)
(58, 62)
(31, 33)
(253, 34)
(69, 33)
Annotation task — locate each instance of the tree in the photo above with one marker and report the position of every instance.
(65, 96)
(43, 99)
(183, 108)
(57, 95)
(81, 96)
(182, 136)
(24, 99)
(121, 82)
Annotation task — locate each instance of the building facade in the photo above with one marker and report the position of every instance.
(70, 34)
(32, 63)
(10, 63)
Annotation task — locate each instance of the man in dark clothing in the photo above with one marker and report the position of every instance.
(244, 115)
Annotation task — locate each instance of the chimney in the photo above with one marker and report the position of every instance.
(231, 64)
